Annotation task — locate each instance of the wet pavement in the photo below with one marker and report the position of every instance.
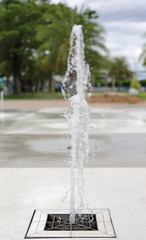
(40, 137)
(122, 190)
(37, 142)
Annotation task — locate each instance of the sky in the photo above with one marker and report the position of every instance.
(124, 22)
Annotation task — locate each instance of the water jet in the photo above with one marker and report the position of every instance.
(78, 222)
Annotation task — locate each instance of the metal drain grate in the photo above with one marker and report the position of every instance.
(55, 224)
(60, 222)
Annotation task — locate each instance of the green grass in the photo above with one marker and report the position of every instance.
(35, 96)
(142, 95)
(124, 92)
(102, 93)
(55, 95)
(98, 93)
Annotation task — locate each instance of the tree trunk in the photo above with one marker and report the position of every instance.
(8, 85)
(119, 84)
(17, 84)
(8, 82)
(23, 86)
(50, 82)
(42, 85)
(113, 84)
(17, 74)
(31, 86)
(36, 85)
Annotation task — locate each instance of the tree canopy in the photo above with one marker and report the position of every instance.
(55, 31)
(34, 40)
(143, 53)
(17, 37)
(119, 69)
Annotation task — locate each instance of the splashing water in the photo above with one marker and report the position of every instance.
(74, 88)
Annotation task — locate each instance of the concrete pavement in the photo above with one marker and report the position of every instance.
(121, 190)
(35, 140)
(40, 137)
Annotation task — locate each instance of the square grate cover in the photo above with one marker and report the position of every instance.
(55, 224)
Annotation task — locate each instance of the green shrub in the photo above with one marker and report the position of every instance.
(135, 84)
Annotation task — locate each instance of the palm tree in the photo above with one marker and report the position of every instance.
(17, 37)
(143, 53)
(119, 69)
(54, 34)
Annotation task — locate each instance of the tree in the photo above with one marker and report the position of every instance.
(28, 57)
(135, 84)
(54, 34)
(34, 76)
(143, 53)
(119, 69)
(18, 22)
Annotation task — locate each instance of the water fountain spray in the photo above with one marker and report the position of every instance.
(74, 88)
(80, 222)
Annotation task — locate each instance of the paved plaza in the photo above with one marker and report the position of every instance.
(34, 165)
(37, 136)
(122, 190)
